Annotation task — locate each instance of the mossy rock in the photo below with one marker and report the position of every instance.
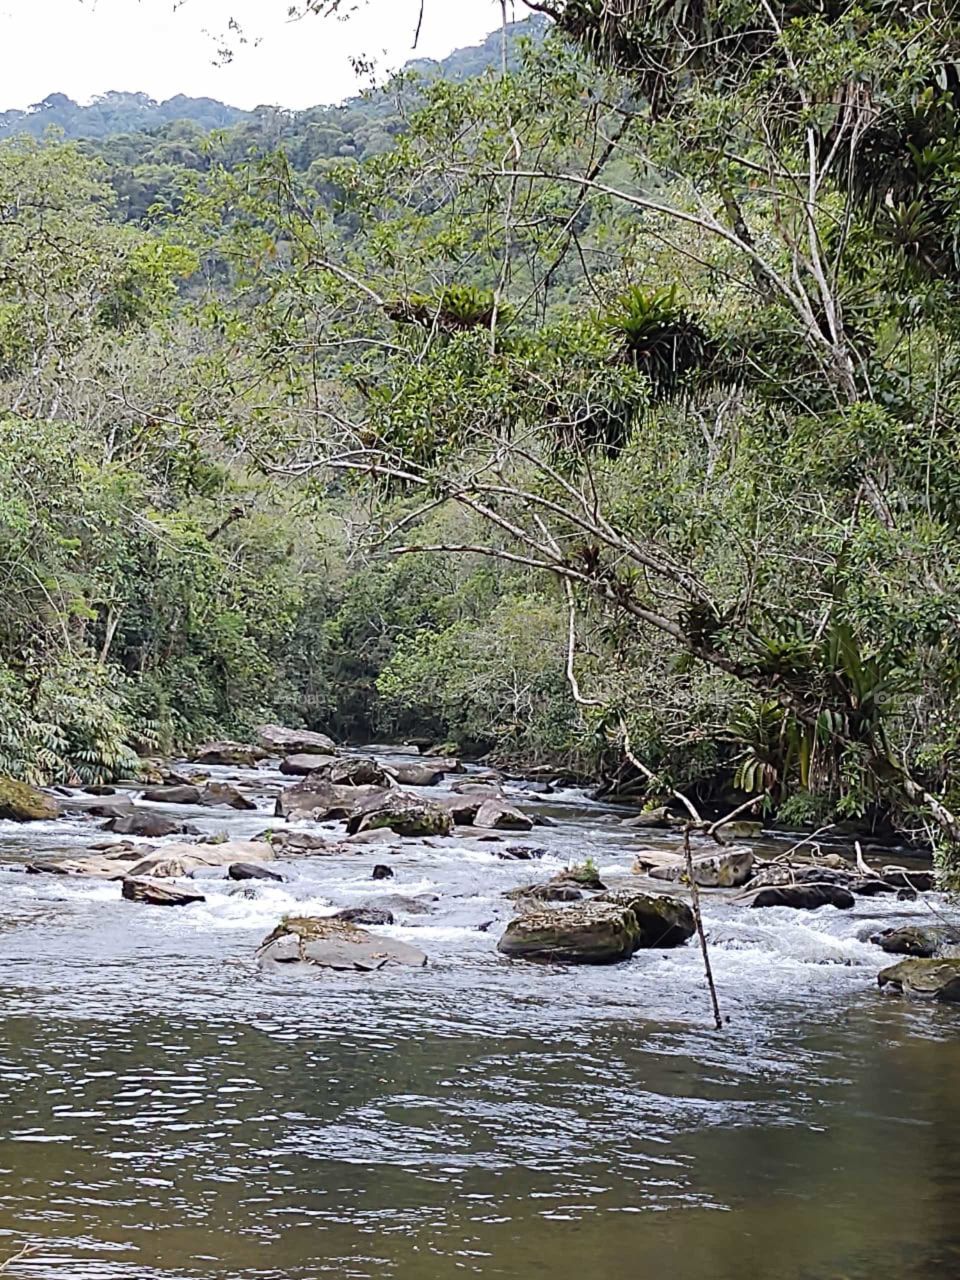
(664, 922)
(593, 933)
(924, 980)
(22, 803)
(405, 814)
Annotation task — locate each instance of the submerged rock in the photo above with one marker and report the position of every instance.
(726, 870)
(924, 980)
(20, 802)
(802, 897)
(328, 943)
(589, 933)
(277, 739)
(159, 895)
(664, 922)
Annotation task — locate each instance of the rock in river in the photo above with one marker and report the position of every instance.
(589, 933)
(251, 871)
(229, 753)
(159, 895)
(303, 763)
(802, 897)
(23, 803)
(917, 940)
(277, 739)
(924, 980)
(664, 922)
(400, 811)
(328, 943)
(225, 795)
(323, 801)
(415, 775)
(151, 825)
(365, 915)
(726, 870)
(497, 815)
(185, 793)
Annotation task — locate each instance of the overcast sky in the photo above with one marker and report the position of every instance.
(85, 47)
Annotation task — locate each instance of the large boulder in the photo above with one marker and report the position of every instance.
(327, 943)
(224, 795)
(726, 870)
(302, 763)
(355, 771)
(238, 754)
(176, 793)
(153, 826)
(924, 980)
(664, 922)
(921, 941)
(22, 803)
(587, 933)
(406, 814)
(280, 741)
(324, 801)
(802, 897)
(497, 815)
(415, 775)
(159, 895)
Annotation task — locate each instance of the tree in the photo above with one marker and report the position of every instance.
(674, 319)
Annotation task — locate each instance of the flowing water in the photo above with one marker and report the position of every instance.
(168, 1111)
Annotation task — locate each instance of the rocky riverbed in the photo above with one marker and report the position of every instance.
(178, 1108)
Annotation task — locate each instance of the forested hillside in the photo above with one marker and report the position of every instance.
(599, 413)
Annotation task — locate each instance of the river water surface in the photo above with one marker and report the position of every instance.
(170, 1112)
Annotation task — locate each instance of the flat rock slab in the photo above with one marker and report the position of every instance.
(151, 825)
(277, 738)
(158, 895)
(182, 793)
(305, 762)
(328, 943)
(173, 861)
(726, 870)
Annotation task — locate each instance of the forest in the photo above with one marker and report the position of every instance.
(588, 402)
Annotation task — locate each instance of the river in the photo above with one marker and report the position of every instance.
(171, 1112)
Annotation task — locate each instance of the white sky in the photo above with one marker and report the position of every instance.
(85, 47)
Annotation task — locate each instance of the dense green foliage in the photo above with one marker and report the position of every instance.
(602, 411)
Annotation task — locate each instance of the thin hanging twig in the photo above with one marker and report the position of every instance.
(698, 921)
